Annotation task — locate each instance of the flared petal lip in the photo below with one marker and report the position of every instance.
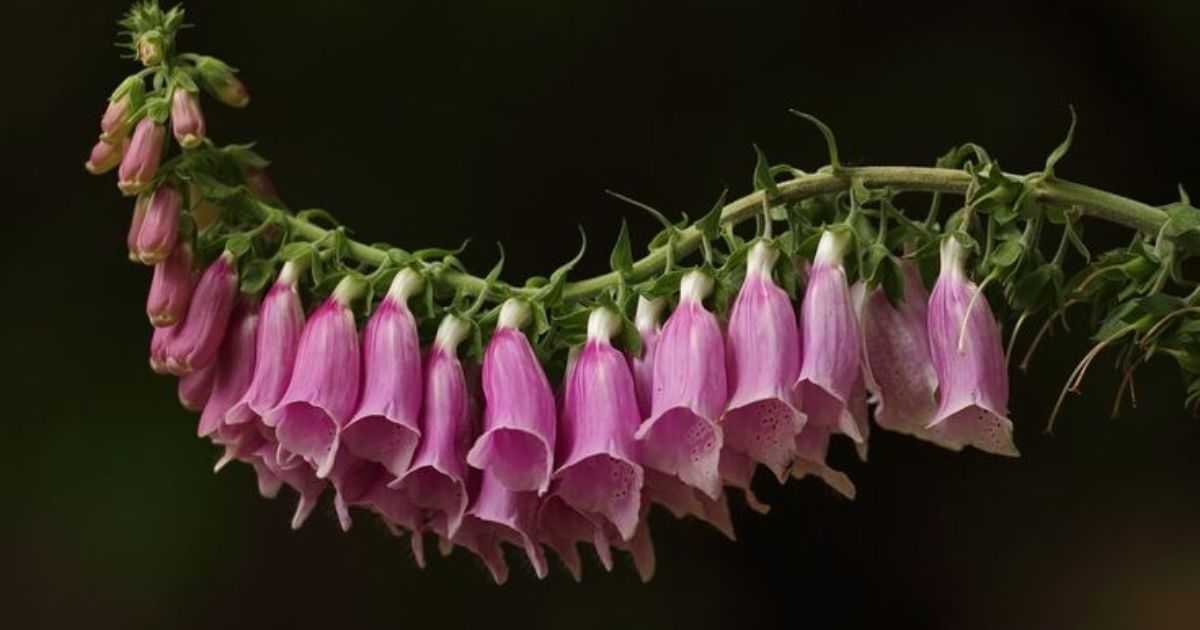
(453, 522)
(476, 453)
(850, 428)
(949, 412)
(323, 467)
(780, 472)
(644, 429)
(626, 529)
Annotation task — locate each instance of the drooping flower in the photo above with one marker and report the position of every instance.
(194, 342)
(599, 471)
(646, 320)
(187, 121)
(385, 428)
(105, 156)
(763, 363)
(898, 367)
(281, 322)
(159, 342)
(234, 367)
(681, 437)
(219, 80)
(195, 388)
(517, 445)
(324, 385)
(830, 370)
(135, 225)
(160, 227)
(968, 358)
(498, 515)
(363, 483)
(437, 480)
(140, 163)
(114, 125)
(811, 447)
(171, 288)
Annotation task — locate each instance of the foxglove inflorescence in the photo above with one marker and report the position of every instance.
(482, 414)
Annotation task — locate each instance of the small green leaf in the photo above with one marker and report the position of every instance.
(1062, 148)
(238, 245)
(830, 141)
(621, 259)
(710, 224)
(435, 253)
(1007, 254)
(763, 180)
(255, 275)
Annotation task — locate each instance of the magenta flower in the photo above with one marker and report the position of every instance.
(964, 341)
(135, 226)
(194, 342)
(281, 322)
(160, 227)
(363, 483)
(324, 386)
(599, 472)
(437, 480)
(830, 371)
(171, 288)
(187, 121)
(681, 437)
(105, 156)
(811, 447)
(195, 388)
(646, 320)
(385, 428)
(159, 342)
(498, 515)
(114, 125)
(898, 367)
(762, 363)
(517, 444)
(234, 367)
(140, 163)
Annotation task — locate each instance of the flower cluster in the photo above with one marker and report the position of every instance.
(565, 412)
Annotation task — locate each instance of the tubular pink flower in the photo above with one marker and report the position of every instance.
(762, 362)
(194, 342)
(437, 480)
(497, 515)
(160, 227)
(517, 444)
(171, 288)
(158, 349)
(964, 341)
(385, 428)
(114, 124)
(599, 473)
(363, 483)
(140, 163)
(899, 371)
(324, 386)
(187, 121)
(135, 226)
(681, 437)
(105, 156)
(281, 322)
(646, 320)
(194, 388)
(234, 367)
(811, 447)
(831, 367)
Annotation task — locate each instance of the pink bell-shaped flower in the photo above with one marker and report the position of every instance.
(139, 165)
(599, 472)
(830, 370)
(281, 323)
(964, 341)
(171, 288)
(324, 385)
(160, 227)
(105, 156)
(114, 124)
(681, 437)
(195, 388)
(517, 445)
(385, 428)
(187, 121)
(762, 362)
(436, 483)
(234, 367)
(194, 342)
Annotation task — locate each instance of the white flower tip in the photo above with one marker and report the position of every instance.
(603, 323)
(515, 313)
(348, 289)
(406, 284)
(290, 273)
(649, 312)
(952, 255)
(761, 259)
(695, 286)
(452, 331)
(832, 247)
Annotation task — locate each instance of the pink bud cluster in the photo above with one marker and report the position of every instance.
(478, 456)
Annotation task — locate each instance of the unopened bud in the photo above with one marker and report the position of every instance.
(219, 79)
(150, 48)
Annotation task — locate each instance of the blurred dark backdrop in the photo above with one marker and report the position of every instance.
(426, 122)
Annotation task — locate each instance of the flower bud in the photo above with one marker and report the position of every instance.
(150, 48)
(160, 227)
(517, 445)
(114, 125)
(196, 340)
(140, 163)
(195, 388)
(104, 156)
(187, 121)
(158, 349)
(135, 225)
(259, 184)
(681, 437)
(219, 79)
(171, 288)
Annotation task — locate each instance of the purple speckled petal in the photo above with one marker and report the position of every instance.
(385, 428)
(681, 437)
(517, 444)
(324, 386)
(194, 342)
(832, 341)
(762, 362)
(968, 358)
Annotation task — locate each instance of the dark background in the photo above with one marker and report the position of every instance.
(423, 123)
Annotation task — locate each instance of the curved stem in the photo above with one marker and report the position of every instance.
(1093, 202)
